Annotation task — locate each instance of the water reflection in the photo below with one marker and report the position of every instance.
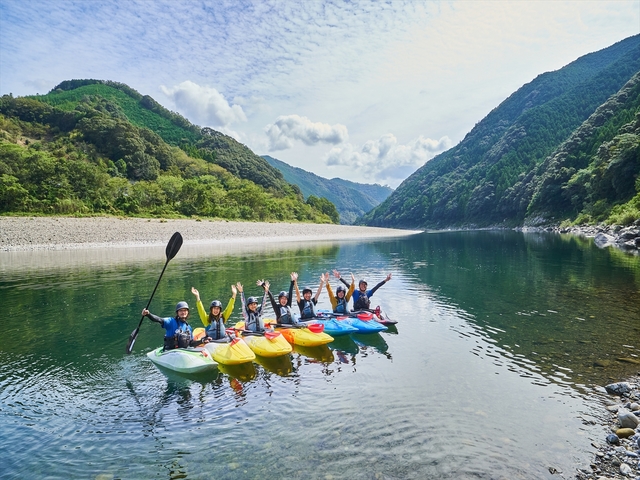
(496, 330)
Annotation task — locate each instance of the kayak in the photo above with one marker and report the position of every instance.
(226, 351)
(266, 344)
(183, 360)
(232, 352)
(307, 335)
(378, 315)
(363, 326)
(335, 328)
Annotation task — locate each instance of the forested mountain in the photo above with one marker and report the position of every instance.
(502, 172)
(351, 199)
(100, 147)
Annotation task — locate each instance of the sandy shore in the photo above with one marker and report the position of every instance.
(64, 233)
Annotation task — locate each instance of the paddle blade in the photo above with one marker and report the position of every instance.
(173, 247)
(132, 340)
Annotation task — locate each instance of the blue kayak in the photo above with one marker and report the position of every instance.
(362, 326)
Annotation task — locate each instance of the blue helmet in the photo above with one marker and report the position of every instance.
(306, 289)
(283, 294)
(341, 289)
(252, 300)
(215, 303)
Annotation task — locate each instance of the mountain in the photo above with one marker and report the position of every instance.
(480, 181)
(351, 199)
(91, 146)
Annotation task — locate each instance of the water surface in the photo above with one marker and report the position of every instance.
(502, 337)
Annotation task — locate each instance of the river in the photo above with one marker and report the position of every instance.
(491, 372)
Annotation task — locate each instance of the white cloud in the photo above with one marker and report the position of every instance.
(204, 105)
(288, 128)
(384, 160)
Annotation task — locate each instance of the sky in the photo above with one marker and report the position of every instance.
(367, 91)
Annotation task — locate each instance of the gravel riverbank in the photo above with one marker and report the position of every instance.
(64, 233)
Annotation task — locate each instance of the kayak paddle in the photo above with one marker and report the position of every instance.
(172, 249)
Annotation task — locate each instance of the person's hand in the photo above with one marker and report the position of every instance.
(239, 287)
(294, 276)
(388, 278)
(145, 312)
(266, 285)
(234, 290)
(259, 282)
(195, 291)
(336, 274)
(353, 279)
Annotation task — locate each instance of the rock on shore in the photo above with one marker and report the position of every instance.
(617, 456)
(62, 233)
(625, 238)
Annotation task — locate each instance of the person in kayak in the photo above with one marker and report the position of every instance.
(282, 308)
(362, 295)
(178, 333)
(214, 322)
(251, 313)
(305, 302)
(340, 300)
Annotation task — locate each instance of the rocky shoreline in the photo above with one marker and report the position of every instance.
(625, 238)
(617, 456)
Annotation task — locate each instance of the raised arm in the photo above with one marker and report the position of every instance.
(373, 290)
(204, 318)
(290, 299)
(243, 303)
(336, 274)
(152, 317)
(231, 305)
(323, 279)
(352, 287)
(294, 277)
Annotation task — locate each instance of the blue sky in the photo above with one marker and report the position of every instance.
(366, 91)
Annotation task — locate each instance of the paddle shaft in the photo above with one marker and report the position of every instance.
(172, 249)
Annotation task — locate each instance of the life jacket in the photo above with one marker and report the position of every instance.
(362, 303)
(180, 339)
(307, 310)
(253, 321)
(341, 306)
(216, 329)
(285, 315)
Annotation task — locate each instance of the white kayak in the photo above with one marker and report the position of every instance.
(183, 360)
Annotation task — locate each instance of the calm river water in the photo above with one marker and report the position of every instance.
(502, 338)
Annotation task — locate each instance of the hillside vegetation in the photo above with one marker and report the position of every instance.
(98, 147)
(503, 171)
(351, 199)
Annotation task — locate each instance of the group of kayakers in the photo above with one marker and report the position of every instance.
(179, 334)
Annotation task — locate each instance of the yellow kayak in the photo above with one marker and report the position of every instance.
(305, 335)
(226, 351)
(267, 344)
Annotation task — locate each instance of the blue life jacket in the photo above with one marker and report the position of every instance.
(216, 330)
(253, 321)
(307, 310)
(341, 306)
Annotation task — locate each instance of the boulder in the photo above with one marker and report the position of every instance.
(627, 419)
(603, 240)
(619, 388)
